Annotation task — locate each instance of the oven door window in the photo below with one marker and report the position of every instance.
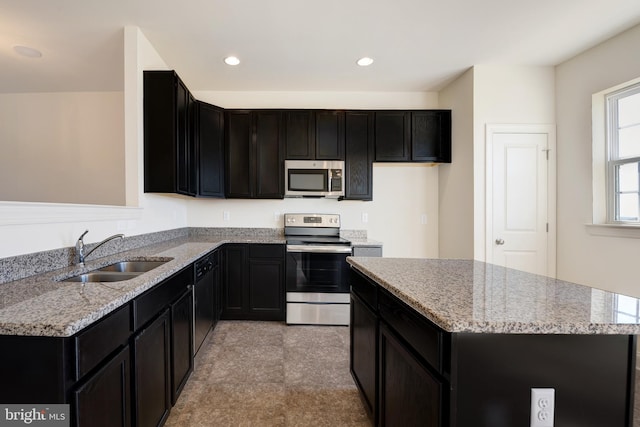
(317, 272)
(308, 180)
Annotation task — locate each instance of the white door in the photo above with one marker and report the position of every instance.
(521, 218)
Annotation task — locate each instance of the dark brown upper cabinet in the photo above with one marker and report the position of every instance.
(210, 149)
(359, 155)
(313, 135)
(299, 134)
(413, 136)
(169, 140)
(431, 136)
(254, 154)
(393, 136)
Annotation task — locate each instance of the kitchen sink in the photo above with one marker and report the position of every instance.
(117, 272)
(132, 266)
(102, 276)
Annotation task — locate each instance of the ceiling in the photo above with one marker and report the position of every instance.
(297, 45)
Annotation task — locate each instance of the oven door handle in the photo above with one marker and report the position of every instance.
(319, 249)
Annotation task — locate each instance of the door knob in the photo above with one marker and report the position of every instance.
(499, 242)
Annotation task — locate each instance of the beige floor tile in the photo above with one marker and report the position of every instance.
(269, 374)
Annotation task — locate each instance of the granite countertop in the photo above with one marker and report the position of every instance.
(472, 296)
(42, 305)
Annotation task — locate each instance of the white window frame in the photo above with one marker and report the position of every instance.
(613, 159)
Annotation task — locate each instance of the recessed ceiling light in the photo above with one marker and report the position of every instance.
(231, 60)
(29, 52)
(365, 62)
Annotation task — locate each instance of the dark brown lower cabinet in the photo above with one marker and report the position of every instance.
(409, 394)
(363, 357)
(152, 382)
(104, 399)
(181, 343)
(254, 281)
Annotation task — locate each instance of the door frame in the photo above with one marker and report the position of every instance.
(550, 130)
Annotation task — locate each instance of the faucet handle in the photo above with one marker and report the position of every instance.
(82, 235)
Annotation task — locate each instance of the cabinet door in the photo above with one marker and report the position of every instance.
(160, 131)
(238, 144)
(184, 140)
(393, 136)
(219, 297)
(152, 382)
(181, 343)
(234, 279)
(358, 155)
(409, 395)
(363, 352)
(104, 399)
(431, 136)
(329, 135)
(266, 289)
(298, 135)
(210, 150)
(268, 155)
(204, 307)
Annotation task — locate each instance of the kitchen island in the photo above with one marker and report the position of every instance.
(463, 343)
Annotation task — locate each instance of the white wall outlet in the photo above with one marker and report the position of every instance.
(423, 219)
(365, 217)
(276, 216)
(226, 215)
(543, 407)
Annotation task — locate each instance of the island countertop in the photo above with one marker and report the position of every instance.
(476, 297)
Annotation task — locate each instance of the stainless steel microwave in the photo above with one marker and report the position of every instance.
(314, 178)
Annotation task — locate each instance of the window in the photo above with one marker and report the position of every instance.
(623, 162)
(626, 309)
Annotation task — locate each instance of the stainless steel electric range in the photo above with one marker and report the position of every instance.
(317, 270)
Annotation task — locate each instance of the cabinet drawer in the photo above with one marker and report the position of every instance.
(266, 251)
(146, 306)
(365, 289)
(98, 341)
(424, 337)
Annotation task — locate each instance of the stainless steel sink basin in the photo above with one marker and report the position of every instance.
(132, 266)
(102, 276)
(118, 272)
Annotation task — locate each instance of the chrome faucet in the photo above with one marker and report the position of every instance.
(81, 256)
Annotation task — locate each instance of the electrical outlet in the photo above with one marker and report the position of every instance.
(226, 215)
(423, 219)
(365, 217)
(542, 407)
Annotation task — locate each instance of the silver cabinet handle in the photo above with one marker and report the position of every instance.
(499, 242)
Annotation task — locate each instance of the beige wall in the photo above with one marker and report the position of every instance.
(602, 261)
(64, 147)
(455, 201)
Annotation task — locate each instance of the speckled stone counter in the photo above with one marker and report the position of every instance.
(45, 305)
(472, 296)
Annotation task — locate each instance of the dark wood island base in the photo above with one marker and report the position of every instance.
(411, 372)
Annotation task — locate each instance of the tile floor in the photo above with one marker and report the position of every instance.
(269, 374)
